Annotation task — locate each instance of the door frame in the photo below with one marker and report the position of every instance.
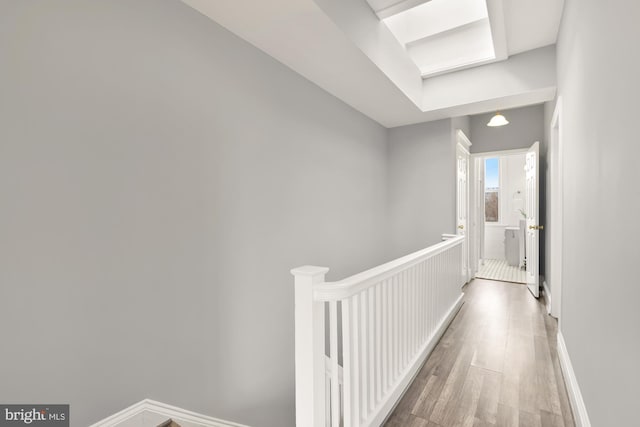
(464, 144)
(477, 193)
(555, 196)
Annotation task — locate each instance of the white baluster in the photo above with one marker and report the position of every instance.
(333, 348)
(411, 307)
(385, 336)
(371, 348)
(379, 318)
(394, 330)
(356, 368)
(423, 307)
(403, 323)
(348, 351)
(364, 359)
(406, 308)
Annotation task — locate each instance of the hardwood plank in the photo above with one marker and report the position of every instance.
(418, 422)
(402, 412)
(507, 416)
(529, 390)
(487, 409)
(547, 392)
(527, 419)
(567, 413)
(551, 420)
(464, 414)
(510, 388)
(447, 402)
(539, 327)
(481, 423)
(428, 398)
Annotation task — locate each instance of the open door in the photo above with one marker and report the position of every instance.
(462, 200)
(479, 209)
(532, 198)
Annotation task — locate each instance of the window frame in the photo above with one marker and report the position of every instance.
(500, 222)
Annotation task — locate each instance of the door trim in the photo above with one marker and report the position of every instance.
(555, 195)
(478, 195)
(464, 144)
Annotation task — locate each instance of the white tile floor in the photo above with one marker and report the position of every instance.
(498, 269)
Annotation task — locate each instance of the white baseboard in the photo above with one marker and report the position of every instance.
(547, 295)
(149, 413)
(578, 407)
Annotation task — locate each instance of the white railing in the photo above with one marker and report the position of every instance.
(382, 325)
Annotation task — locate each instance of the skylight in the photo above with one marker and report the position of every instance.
(444, 35)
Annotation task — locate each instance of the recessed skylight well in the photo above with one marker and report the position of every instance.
(444, 35)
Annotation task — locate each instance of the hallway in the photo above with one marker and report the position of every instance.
(496, 365)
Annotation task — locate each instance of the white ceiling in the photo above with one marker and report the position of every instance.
(343, 47)
(532, 24)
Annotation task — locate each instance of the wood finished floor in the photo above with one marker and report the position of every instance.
(496, 365)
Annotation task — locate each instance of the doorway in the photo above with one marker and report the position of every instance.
(501, 215)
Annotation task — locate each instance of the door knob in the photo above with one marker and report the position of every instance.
(536, 227)
(461, 226)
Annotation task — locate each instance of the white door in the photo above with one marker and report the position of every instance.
(532, 241)
(479, 210)
(462, 205)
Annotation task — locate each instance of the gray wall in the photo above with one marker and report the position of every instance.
(421, 185)
(598, 67)
(463, 123)
(159, 177)
(526, 126)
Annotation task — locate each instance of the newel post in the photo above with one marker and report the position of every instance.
(309, 345)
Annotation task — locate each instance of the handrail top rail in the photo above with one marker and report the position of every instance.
(336, 291)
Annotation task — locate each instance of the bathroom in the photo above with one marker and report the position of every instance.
(503, 252)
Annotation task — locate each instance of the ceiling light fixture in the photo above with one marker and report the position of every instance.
(498, 120)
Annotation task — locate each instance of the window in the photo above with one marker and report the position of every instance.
(491, 189)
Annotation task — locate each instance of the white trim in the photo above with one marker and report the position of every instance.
(149, 413)
(478, 214)
(578, 407)
(393, 399)
(496, 224)
(501, 193)
(547, 295)
(555, 209)
(463, 146)
(488, 155)
(500, 153)
(463, 140)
